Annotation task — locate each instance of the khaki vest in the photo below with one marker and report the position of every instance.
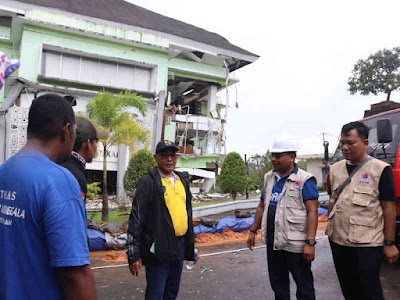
(356, 219)
(291, 214)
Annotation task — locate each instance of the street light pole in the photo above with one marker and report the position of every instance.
(247, 172)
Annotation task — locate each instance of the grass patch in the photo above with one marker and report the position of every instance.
(114, 216)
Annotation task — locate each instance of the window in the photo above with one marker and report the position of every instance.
(95, 71)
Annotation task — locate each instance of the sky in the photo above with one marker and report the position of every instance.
(298, 87)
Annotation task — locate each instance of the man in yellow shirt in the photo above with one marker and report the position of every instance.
(160, 232)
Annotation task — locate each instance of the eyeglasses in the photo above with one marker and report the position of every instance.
(166, 155)
(279, 155)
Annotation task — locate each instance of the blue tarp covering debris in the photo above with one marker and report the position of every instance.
(322, 211)
(203, 229)
(237, 224)
(97, 240)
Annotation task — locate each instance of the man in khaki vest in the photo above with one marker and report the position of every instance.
(288, 217)
(362, 216)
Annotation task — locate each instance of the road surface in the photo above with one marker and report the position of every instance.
(233, 275)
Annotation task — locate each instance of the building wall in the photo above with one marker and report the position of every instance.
(314, 166)
(33, 39)
(195, 70)
(112, 42)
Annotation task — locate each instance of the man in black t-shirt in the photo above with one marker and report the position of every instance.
(85, 149)
(362, 215)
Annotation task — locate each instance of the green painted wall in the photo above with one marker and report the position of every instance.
(33, 37)
(204, 108)
(199, 143)
(196, 162)
(169, 132)
(5, 32)
(197, 70)
(95, 27)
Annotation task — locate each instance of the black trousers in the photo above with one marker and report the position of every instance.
(358, 271)
(280, 263)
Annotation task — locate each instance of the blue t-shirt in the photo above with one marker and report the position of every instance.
(309, 192)
(42, 227)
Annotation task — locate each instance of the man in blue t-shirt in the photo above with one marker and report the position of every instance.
(290, 197)
(43, 240)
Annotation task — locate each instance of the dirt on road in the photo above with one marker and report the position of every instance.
(228, 236)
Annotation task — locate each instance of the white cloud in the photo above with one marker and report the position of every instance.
(307, 48)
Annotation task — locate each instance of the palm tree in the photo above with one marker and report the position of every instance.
(109, 113)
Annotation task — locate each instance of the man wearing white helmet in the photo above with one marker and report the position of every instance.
(290, 199)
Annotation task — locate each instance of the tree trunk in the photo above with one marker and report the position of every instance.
(388, 96)
(104, 213)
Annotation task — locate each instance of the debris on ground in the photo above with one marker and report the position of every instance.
(242, 214)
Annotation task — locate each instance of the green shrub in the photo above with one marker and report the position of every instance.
(139, 164)
(93, 190)
(233, 178)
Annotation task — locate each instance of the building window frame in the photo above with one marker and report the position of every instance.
(129, 65)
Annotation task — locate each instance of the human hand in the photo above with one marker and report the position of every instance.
(391, 253)
(251, 240)
(309, 252)
(136, 267)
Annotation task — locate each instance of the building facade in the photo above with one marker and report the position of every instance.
(77, 48)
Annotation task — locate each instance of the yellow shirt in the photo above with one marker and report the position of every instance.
(175, 198)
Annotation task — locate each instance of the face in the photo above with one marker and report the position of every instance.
(91, 150)
(166, 161)
(353, 146)
(282, 162)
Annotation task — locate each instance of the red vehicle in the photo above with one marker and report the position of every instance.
(384, 144)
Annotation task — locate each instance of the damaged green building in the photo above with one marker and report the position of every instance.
(78, 47)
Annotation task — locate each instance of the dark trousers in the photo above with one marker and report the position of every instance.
(358, 271)
(163, 279)
(280, 263)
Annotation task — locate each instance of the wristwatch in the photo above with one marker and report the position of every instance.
(311, 242)
(389, 242)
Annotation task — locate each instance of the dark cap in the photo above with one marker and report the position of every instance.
(161, 146)
(85, 130)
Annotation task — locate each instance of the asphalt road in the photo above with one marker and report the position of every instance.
(235, 275)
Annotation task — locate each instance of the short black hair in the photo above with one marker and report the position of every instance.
(48, 113)
(78, 145)
(362, 129)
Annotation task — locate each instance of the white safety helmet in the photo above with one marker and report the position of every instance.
(285, 145)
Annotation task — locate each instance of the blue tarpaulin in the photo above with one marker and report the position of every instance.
(97, 240)
(202, 229)
(236, 224)
(322, 211)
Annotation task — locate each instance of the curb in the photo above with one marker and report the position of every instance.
(224, 207)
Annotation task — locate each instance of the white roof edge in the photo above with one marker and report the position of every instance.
(173, 39)
(11, 9)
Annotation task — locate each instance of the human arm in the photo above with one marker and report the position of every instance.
(77, 282)
(310, 198)
(65, 223)
(138, 216)
(136, 267)
(330, 207)
(389, 218)
(312, 224)
(387, 196)
(256, 225)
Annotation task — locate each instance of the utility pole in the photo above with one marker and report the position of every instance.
(247, 172)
